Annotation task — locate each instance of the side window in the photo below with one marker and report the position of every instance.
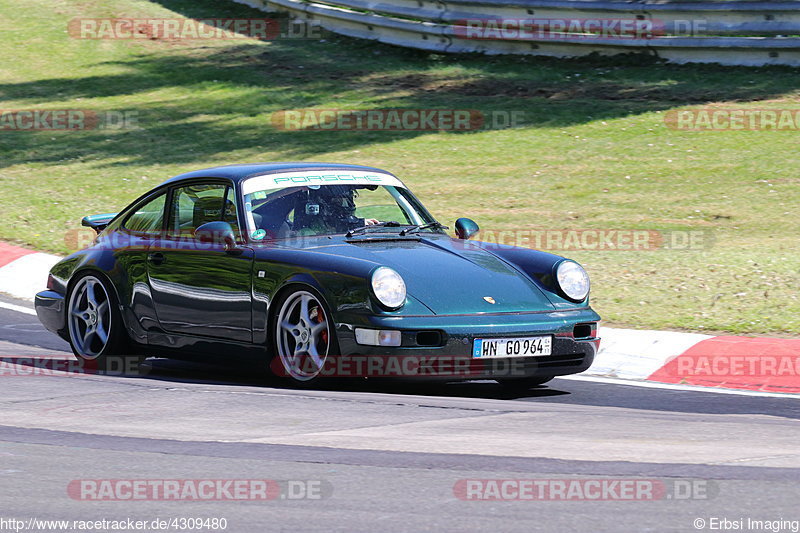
(194, 205)
(147, 218)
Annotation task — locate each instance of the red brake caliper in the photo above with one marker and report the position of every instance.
(320, 320)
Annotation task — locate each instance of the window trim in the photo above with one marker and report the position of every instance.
(226, 183)
(144, 201)
(237, 230)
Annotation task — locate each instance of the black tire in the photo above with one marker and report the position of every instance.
(92, 297)
(301, 370)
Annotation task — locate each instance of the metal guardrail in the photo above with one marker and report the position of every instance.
(728, 32)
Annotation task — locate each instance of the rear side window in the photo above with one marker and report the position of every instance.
(147, 218)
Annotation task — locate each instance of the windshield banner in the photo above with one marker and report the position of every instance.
(325, 177)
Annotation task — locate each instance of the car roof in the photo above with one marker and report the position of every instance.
(240, 172)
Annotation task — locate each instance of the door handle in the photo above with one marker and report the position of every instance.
(156, 258)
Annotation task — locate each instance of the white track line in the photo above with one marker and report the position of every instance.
(690, 388)
(18, 308)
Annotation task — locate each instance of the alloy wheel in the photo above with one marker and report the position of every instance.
(303, 336)
(89, 317)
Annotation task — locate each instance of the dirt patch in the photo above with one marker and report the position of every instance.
(567, 90)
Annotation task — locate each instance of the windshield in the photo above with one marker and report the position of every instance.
(300, 204)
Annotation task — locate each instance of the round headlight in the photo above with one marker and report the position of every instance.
(389, 287)
(573, 280)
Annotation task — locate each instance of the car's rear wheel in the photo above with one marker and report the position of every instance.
(303, 336)
(523, 384)
(94, 322)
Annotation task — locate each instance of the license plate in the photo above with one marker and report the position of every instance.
(512, 347)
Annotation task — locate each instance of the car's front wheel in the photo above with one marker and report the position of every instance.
(94, 322)
(303, 336)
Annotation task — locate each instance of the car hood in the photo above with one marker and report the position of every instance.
(449, 276)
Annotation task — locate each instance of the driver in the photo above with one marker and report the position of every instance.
(331, 208)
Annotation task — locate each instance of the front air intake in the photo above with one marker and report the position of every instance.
(429, 338)
(583, 331)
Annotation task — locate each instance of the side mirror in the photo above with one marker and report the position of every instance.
(466, 228)
(217, 233)
(98, 222)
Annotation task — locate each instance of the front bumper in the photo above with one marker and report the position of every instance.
(50, 310)
(452, 357)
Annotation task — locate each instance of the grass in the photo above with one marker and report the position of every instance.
(592, 149)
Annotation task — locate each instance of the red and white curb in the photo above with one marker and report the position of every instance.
(763, 365)
(23, 272)
(663, 359)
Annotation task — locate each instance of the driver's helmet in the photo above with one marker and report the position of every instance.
(332, 206)
(335, 200)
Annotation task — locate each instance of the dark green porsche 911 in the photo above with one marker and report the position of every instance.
(314, 270)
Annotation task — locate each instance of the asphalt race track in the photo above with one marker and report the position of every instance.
(334, 452)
